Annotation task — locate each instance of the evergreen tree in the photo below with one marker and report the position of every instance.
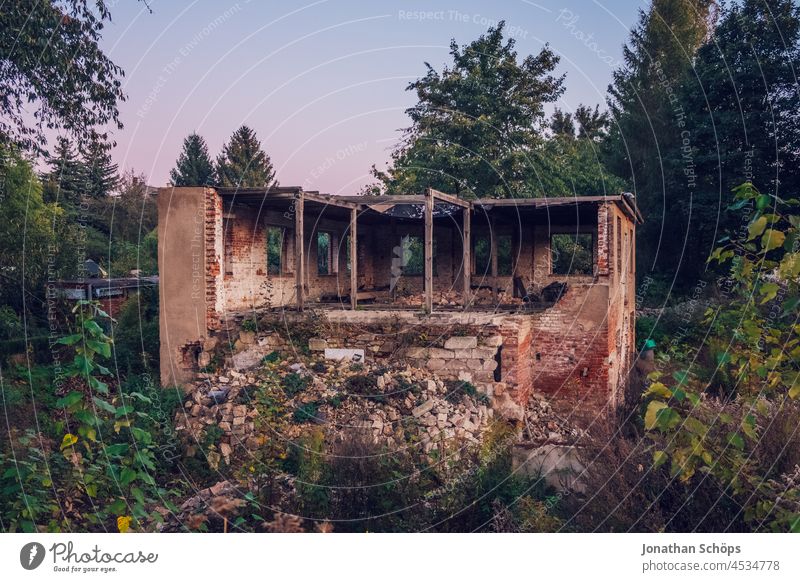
(646, 123)
(476, 123)
(102, 174)
(742, 120)
(194, 166)
(592, 123)
(67, 178)
(243, 164)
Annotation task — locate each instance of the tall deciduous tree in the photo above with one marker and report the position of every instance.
(645, 119)
(243, 164)
(194, 166)
(27, 232)
(562, 123)
(51, 65)
(477, 121)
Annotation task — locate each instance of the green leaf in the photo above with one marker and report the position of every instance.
(124, 410)
(103, 348)
(756, 227)
(137, 494)
(70, 399)
(108, 407)
(736, 440)
(117, 450)
(68, 440)
(658, 389)
(768, 291)
(83, 365)
(763, 202)
(91, 326)
(772, 239)
(117, 507)
(682, 376)
(659, 458)
(127, 476)
(668, 418)
(147, 478)
(70, 339)
(98, 385)
(651, 415)
(141, 435)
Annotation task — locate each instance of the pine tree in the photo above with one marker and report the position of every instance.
(194, 166)
(66, 180)
(657, 63)
(592, 123)
(742, 120)
(243, 164)
(102, 175)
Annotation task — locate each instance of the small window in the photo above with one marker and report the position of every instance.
(572, 254)
(228, 244)
(483, 256)
(323, 253)
(413, 255)
(274, 250)
(631, 242)
(504, 255)
(413, 258)
(619, 245)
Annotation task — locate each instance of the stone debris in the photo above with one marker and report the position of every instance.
(397, 405)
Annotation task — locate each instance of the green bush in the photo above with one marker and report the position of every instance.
(306, 412)
(294, 383)
(362, 385)
(136, 334)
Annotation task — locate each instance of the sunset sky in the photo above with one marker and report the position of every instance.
(323, 83)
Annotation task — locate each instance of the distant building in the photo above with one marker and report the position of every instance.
(111, 293)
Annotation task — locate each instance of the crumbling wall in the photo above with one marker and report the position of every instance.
(183, 221)
(570, 351)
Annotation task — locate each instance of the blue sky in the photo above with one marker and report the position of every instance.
(323, 81)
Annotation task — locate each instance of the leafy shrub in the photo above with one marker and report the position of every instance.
(271, 358)
(306, 412)
(362, 385)
(250, 325)
(136, 333)
(294, 383)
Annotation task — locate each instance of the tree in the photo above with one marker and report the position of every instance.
(51, 66)
(476, 123)
(562, 123)
(742, 120)
(645, 123)
(27, 232)
(102, 174)
(592, 123)
(243, 164)
(67, 179)
(194, 166)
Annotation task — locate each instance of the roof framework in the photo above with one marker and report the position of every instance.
(428, 207)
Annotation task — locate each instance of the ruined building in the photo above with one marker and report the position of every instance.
(531, 294)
